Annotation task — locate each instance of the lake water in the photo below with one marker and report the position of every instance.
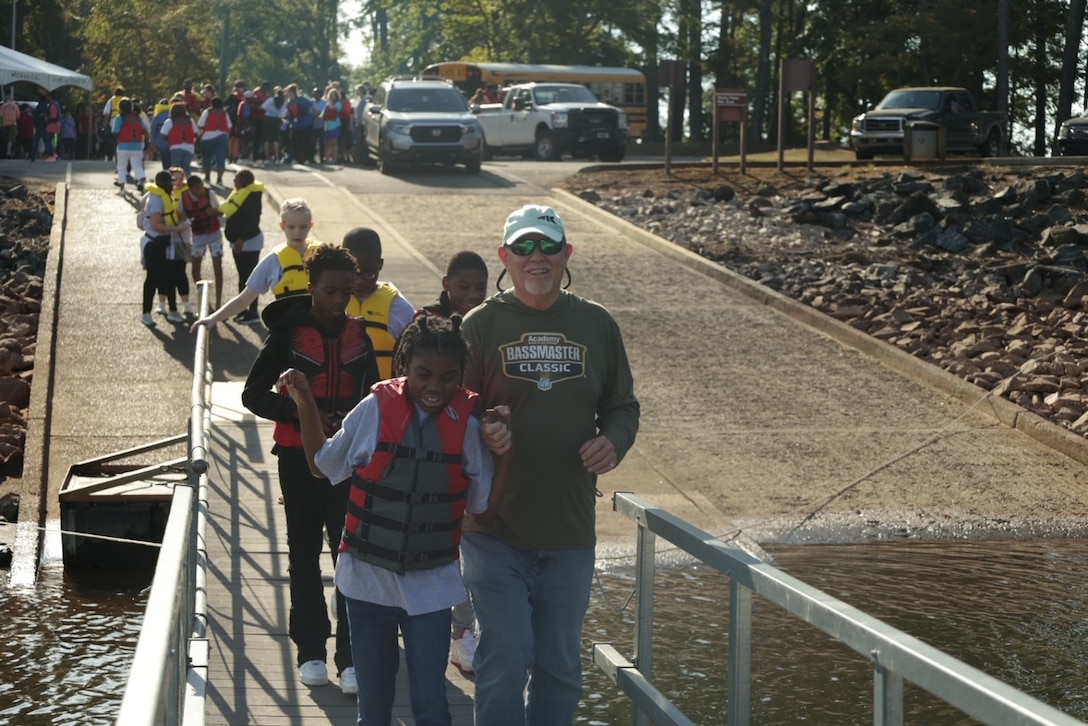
(1013, 609)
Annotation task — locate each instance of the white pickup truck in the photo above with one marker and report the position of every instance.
(550, 119)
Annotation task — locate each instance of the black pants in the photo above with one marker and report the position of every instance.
(179, 280)
(315, 512)
(303, 142)
(246, 262)
(156, 271)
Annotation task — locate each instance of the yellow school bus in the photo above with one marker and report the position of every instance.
(621, 87)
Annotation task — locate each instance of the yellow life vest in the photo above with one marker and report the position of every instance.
(115, 106)
(169, 208)
(295, 280)
(374, 312)
(234, 202)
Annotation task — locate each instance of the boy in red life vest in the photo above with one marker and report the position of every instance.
(331, 353)
(199, 205)
(413, 451)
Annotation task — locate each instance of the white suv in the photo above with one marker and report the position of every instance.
(422, 121)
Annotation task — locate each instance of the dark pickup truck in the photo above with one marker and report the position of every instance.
(881, 130)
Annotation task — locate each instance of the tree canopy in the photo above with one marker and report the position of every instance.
(1027, 58)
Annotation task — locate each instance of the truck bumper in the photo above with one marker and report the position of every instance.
(589, 141)
(877, 143)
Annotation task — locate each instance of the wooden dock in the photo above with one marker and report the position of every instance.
(252, 675)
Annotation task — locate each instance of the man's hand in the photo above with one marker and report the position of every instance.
(598, 455)
(495, 431)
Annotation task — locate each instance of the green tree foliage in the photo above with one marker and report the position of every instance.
(861, 48)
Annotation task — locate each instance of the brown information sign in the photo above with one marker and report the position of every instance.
(727, 97)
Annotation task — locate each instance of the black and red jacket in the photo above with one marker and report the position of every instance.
(339, 365)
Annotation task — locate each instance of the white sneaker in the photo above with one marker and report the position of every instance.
(313, 673)
(147, 319)
(462, 651)
(175, 317)
(348, 686)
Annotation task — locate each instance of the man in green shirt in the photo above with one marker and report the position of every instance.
(558, 362)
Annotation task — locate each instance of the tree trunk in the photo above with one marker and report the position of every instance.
(1040, 88)
(763, 74)
(695, 70)
(1074, 29)
(1001, 91)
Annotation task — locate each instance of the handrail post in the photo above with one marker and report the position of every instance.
(645, 554)
(740, 654)
(887, 694)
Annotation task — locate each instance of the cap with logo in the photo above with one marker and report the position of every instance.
(533, 219)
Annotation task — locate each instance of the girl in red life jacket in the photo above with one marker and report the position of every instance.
(417, 463)
(180, 133)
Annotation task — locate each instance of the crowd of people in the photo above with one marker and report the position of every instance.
(266, 123)
(271, 124)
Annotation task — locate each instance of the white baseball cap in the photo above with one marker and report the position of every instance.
(533, 218)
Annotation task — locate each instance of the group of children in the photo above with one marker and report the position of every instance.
(379, 451)
(182, 222)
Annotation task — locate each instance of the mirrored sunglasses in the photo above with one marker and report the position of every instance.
(525, 247)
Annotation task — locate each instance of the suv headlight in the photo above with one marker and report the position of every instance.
(399, 127)
(559, 120)
(622, 120)
(470, 127)
(855, 124)
(1063, 132)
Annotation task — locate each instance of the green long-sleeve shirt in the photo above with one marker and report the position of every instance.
(565, 375)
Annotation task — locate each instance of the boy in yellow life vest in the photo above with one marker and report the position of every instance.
(281, 271)
(379, 304)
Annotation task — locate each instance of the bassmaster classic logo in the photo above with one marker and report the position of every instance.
(544, 359)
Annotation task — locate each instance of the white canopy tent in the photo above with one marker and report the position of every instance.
(16, 66)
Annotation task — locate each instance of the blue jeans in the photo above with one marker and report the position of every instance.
(182, 158)
(530, 605)
(214, 153)
(377, 659)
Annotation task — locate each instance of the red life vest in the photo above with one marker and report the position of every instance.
(181, 132)
(335, 367)
(406, 505)
(132, 129)
(216, 121)
(330, 113)
(205, 217)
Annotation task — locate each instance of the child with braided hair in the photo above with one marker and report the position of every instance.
(413, 451)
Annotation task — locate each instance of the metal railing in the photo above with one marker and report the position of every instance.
(169, 669)
(896, 656)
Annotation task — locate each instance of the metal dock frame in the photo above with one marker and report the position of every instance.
(895, 655)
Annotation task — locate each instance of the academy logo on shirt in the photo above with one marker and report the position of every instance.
(544, 359)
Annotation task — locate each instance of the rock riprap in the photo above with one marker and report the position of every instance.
(980, 272)
(26, 218)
